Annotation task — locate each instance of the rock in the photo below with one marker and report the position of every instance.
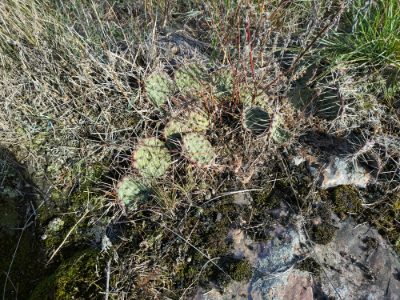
(55, 225)
(242, 198)
(297, 160)
(358, 262)
(338, 171)
(273, 261)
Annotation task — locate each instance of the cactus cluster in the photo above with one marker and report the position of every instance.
(151, 158)
(130, 191)
(159, 87)
(192, 79)
(198, 149)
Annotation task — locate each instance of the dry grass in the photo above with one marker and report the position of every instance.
(72, 82)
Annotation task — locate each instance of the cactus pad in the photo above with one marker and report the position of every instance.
(273, 127)
(191, 78)
(173, 132)
(130, 191)
(281, 136)
(151, 158)
(222, 83)
(198, 121)
(198, 150)
(159, 87)
(246, 97)
(195, 122)
(255, 119)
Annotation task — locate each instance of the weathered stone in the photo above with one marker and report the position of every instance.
(338, 171)
(358, 263)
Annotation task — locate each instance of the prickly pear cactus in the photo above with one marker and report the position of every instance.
(274, 124)
(130, 191)
(197, 149)
(151, 158)
(192, 78)
(173, 132)
(281, 136)
(196, 121)
(259, 121)
(255, 119)
(222, 83)
(159, 87)
(246, 97)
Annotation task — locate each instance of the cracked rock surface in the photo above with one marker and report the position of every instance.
(358, 262)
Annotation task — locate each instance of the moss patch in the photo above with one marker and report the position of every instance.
(322, 234)
(76, 278)
(240, 270)
(310, 265)
(265, 200)
(26, 268)
(208, 231)
(346, 199)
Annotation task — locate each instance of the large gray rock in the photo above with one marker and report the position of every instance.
(358, 263)
(336, 171)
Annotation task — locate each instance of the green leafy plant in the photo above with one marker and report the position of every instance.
(151, 158)
(198, 149)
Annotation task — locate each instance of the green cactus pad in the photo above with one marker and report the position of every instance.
(198, 121)
(151, 158)
(275, 121)
(197, 149)
(281, 136)
(130, 191)
(195, 122)
(191, 78)
(255, 119)
(173, 132)
(246, 97)
(159, 87)
(222, 83)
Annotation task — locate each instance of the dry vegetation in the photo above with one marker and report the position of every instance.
(74, 106)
